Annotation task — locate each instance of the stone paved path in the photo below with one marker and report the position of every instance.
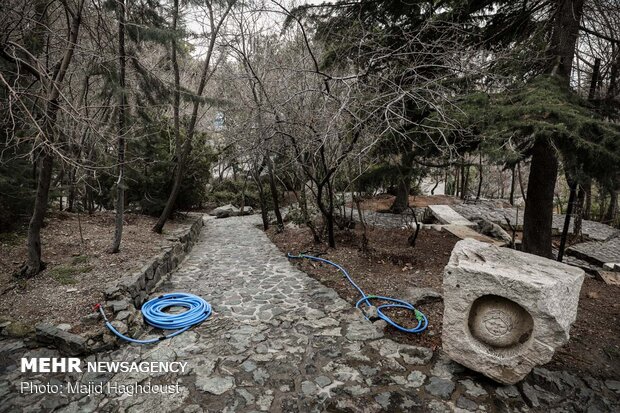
(280, 341)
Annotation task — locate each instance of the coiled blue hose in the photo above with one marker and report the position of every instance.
(198, 310)
(391, 302)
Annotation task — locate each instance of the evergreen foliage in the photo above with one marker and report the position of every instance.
(544, 109)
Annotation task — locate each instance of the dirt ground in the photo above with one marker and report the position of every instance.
(77, 272)
(392, 267)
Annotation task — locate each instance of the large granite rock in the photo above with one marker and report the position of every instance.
(230, 210)
(506, 311)
(225, 211)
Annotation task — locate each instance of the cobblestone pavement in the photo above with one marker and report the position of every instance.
(280, 341)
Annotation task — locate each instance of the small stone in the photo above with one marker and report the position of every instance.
(264, 402)
(123, 315)
(260, 375)
(530, 395)
(440, 387)
(361, 331)
(17, 329)
(118, 305)
(356, 390)
(248, 366)
(67, 343)
(400, 380)
(466, 404)
(419, 295)
(415, 355)
(322, 381)
(371, 312)
(507, 392)
(120, 326)
(247, 396)
(308, 388)
(437, 406)
(472, 389)
(92, 318)
(64, 326)
(613, 385)
(368, 371)
(193, 408)
(215, 385)
(415, 379)
(383, 399)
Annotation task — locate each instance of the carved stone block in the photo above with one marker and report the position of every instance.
(506, 311)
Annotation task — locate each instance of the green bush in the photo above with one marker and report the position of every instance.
(229, 191)
(17, 187)
(150, 171)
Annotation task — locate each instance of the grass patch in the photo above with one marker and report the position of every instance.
(80, 259)
(10, 238)
(612, 352)
(85, 269)
(65, 274)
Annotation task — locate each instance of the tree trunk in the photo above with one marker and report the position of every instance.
(501, 183)
(187, 145)
(327, 214)
(71, 197)
(538, 215)
(479, 191)
(456, 181)
(581, 194)
(401, 202)
(587, 209)
(595, 78)
(465, 183)
(303, 204)
(569, 210)
(512, 186)
(263, 205)
(521, 187)
(34, 264)
(435, 186)
(274, 193)
(331, 239)
(462, 186)
(122, 108)
(610, 215)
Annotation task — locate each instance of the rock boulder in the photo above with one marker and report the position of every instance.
(506, 311)
(225, 211)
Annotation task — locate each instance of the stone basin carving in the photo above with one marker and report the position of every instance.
(506, 311)
(499, 322)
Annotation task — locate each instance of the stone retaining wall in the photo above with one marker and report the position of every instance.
(123, 298)
(137, 286)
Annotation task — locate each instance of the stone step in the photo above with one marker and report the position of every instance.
(609, 277)
(466, 232)
(446, 215)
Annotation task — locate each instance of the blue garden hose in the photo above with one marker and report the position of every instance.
(198, 310)
(366, 299)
